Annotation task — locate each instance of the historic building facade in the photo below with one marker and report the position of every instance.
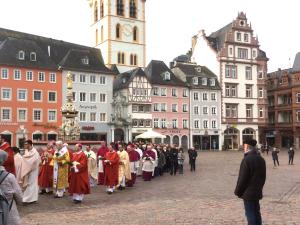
(170, 104)
(118, 29)
(204, 103)
(234, 55)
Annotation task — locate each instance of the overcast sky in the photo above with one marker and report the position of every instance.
(170, 23)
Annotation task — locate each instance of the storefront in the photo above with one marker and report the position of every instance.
(231, 139)
(206, 142)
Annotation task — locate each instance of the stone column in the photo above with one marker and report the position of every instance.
(113, 134)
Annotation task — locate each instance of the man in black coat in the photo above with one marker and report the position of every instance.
(250, 183)
(192, 157)
(173, 160)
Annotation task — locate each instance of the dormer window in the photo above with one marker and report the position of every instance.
(204, 81)
(198, 69)
(85, 60)
(195, 80)
(32, 56)
(212, 82)
(21, 55)
(167, 76)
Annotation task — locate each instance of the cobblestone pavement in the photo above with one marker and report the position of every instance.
(201, 198)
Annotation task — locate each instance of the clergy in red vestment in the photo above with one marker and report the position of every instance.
(111, 168)
(101, 157)
(134, 158)
(9, 164)
(79, 177)
(148, 163)
(46, 169)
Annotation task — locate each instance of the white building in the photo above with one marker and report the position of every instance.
(233, 54)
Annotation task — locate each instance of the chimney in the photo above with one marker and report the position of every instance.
(49, 51)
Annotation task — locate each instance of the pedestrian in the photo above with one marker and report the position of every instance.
(111, 169)
(166, 151)
(192, 158)
(92, 165)
(291, 153)
(173, 160)
(148, 163)
(161, 161)
(12, 191)
(267, 148)
(180, 161)
(101, 157)
(275, 152)
(250, 183)
(124, 167)
(9, 164)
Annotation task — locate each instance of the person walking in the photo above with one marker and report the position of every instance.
(174, 160)
(180, 161)
(250, 183)
(192, 158)
(275, 152)
(291, 153)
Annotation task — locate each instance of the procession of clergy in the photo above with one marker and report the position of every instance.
(57, 169)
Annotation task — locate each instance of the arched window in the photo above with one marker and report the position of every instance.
(135, 60)
(118, 30)
(123, 58)
(101, 9)
(119, 57)
(132, 8)
(101, 33)
(96, 12)
(120, 8)
(96, 37)
(131, 59)
(135, 34)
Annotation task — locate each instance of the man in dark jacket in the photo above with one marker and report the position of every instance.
(173, 160)
(252, 177)
(192, 158)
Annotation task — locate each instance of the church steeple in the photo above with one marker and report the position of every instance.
(118, 29)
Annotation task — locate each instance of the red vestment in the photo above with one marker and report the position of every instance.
(101, 152)
(79, 181)
(69, 172)
(111, 169)
(9, 164)
(134, 158)
(46, 170)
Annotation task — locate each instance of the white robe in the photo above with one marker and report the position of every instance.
(29, 175)
(140, 162)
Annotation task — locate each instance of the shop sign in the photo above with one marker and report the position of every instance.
(46, 126)
(87, 128)
(91, 107)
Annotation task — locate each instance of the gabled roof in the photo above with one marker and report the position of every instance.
(217, 38)
(155, 73)
(123, 80)
(115, 69)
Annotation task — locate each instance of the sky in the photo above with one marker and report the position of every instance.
(170, 24)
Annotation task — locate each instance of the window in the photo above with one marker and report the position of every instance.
(82, 116)
(52, 78)
(249, 111)
(230, 71)
(37, 115)
(212, 82)
(260, 93)
(248, 91)
(155, 107)
(96, 12)
(132, 9)
(204, 81)
(118, 31)
(51, 96)
(52, 115)
(163, 123)
(141, 123)
(82, 78)
(41, 77)
(92, 117)
(174, 123)
(4, 73)
(22, 115)
(230, 51)
(254, 54)
(196, 96)
(32, 56)
(17, 74)
(205, 110)
(174, 92)
(96, 35)
(82, 97)
(102, 97)
(163, 107)
(213, 96)
(135, 34)
(163, 92)
(248, 73)
(6, 94)
(121, 58)
(102, 117)
(261, 113)
(73, 77)
(155, 123)
(196, 124)
(134, 123)
(102, 80)
(195, 80)
(92, 79)
(167, 76)
(260, 75)
(133, 59)
(148, 123)
(155, 91)
(185, 93)
(174, 107)
(204, 96)
(29, 76)
(238, 36)
(196, 110)
(205, 124)
(184, 108)
(231, 110)
(230, 90)
(37, 96)
(184, 124)
(246, 38)
(213, 110)
(120, 8)
(74, 96)
(213, 124)
(21, 55)
(5, 114)
(101, 9)
(242, 53)
(92, 97)
(22, 95)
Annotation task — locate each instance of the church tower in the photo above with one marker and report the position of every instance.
(118, 29)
